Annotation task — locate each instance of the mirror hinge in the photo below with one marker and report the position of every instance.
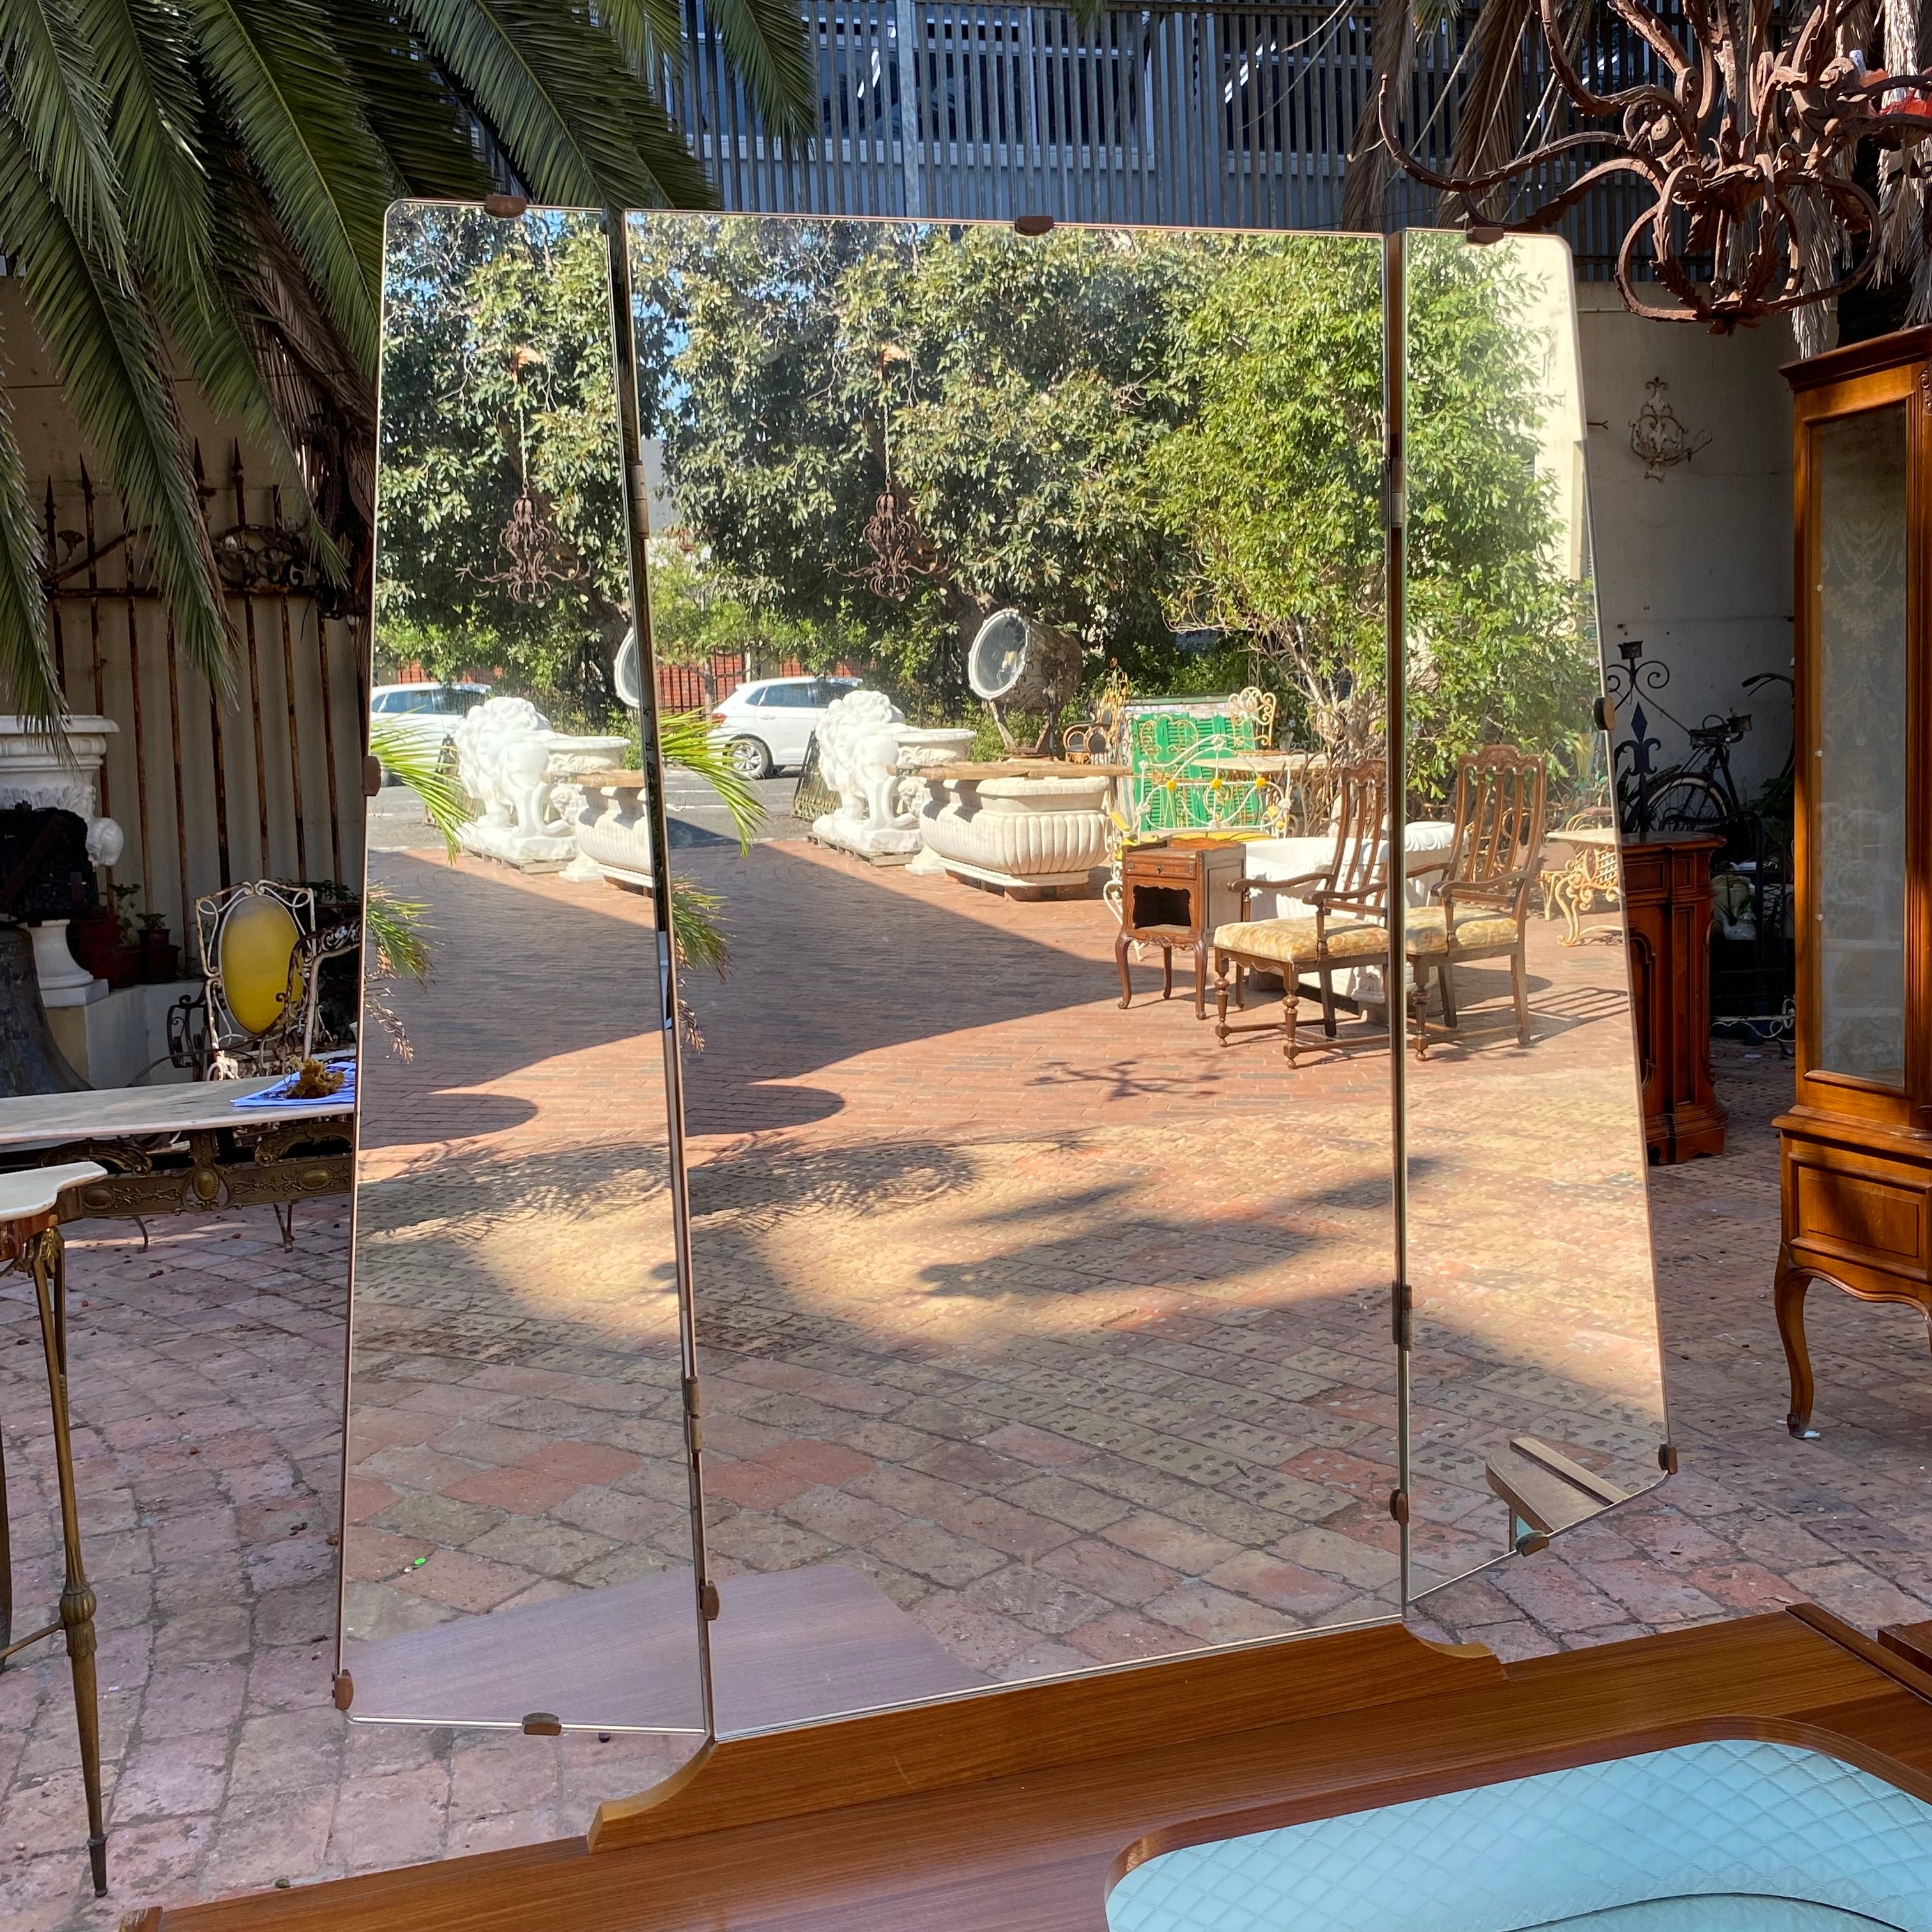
(1401, 1303)
(1394, 505)
(707, 1600)
(1399, 1506)
(694, 1424)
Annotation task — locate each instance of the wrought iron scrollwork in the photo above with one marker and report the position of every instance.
(1748, 153)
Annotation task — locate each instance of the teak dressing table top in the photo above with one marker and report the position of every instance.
(1017, 1811)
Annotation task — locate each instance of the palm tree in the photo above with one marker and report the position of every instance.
(201, 183)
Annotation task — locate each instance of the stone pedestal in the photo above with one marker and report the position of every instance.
(614, 831)
(64, 982)
(32, 772)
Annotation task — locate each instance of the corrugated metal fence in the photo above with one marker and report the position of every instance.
(1211, 117)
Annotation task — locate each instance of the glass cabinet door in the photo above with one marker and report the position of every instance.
(1858, 856)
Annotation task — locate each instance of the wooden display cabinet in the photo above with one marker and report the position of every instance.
(1857, 1144)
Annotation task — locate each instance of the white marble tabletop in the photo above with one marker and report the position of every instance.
(119, 1112)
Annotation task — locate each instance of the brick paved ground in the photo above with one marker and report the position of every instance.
(1221, 1221)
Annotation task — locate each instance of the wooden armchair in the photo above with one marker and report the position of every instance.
(1349, 896)
(1482, 905)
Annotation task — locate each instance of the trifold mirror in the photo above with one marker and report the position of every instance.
(887, 1291)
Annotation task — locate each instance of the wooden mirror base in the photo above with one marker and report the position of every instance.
(1021, 1809)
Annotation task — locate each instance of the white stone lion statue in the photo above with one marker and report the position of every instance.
(858, 751)
(858, 757)
(502, 752)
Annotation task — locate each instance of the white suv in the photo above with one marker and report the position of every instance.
(765, 727)
(424, 715)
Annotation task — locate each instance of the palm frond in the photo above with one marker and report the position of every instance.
(146, 64)
(287, 93)
(55, 102)
(441, 795)
(409, 106)
(579, 128)
(1486, 128)
(697, 931)
(684, 738)
(309, 371)
(104, 349)
(1391, 56)
(648, 31)
(28, 683)
(765, 40)
(143, 57)
(393, 937)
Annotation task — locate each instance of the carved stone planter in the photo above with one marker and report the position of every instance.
(613, 832)
(1029, 836)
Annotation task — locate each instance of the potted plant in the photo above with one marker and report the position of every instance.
(102, 940)
(158, 952)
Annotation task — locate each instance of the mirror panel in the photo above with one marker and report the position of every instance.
(1535, 1373)
(518, 1531)
(1864, 716)
(1037, 1335)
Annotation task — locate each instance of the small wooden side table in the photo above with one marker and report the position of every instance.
(30, 1244)
(1666, 885)
(1173, 895)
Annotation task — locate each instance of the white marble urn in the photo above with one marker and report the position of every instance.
(34, 770)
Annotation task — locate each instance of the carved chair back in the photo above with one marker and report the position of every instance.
(1358, 879)
(1500, 803)
(258, 962)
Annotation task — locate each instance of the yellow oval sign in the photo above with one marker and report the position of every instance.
(259, 972)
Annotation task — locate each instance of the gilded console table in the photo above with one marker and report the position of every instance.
(183, 1149)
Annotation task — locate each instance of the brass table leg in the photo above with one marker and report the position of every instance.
(45, 1260)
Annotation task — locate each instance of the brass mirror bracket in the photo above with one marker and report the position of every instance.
(542, 1724)
(345, 1690)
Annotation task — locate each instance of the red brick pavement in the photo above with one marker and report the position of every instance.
(984, 1180)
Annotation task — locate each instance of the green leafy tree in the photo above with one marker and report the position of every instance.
(1151, 440)
(501, 533)
(1502, 644)
(205, 181)
(1272, 480)
(995, 398)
